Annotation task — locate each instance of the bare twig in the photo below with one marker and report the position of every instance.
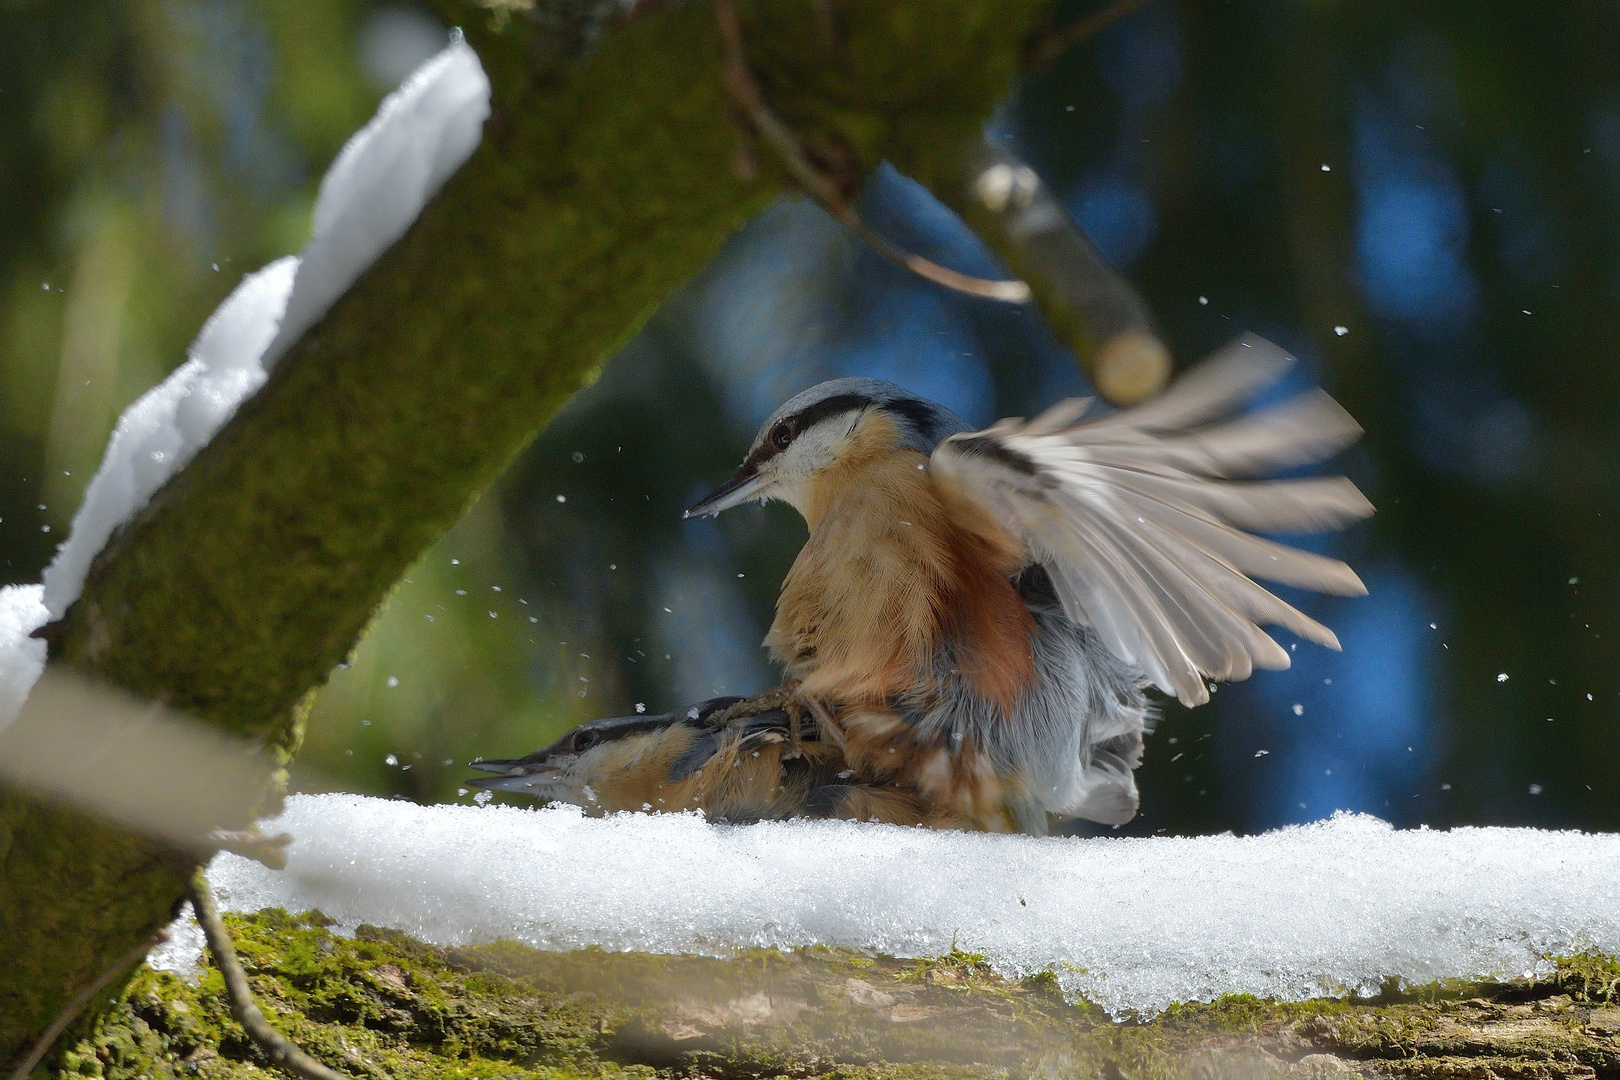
(750, 102)
(1091, 304)
(250, 843)
(281, 1051)
(80, 1000)
(1060, 41)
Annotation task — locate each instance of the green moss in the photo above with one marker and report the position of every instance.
(1589, 977)
(381, 1003)
(378, 1001)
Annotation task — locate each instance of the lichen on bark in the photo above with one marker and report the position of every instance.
(382, 1004)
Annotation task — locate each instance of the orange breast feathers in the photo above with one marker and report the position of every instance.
(897, 568)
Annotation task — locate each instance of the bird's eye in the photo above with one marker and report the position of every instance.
(585, 740)
(781, 435)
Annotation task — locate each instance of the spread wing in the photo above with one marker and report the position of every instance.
(1141, 517)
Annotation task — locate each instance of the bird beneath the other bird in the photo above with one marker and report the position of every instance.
(971, 627)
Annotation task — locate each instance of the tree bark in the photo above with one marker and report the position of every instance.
(604, 180)
(381, 1004)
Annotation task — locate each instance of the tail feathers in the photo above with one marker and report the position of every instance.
(1110, 796)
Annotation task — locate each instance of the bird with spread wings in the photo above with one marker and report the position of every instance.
(972, 625)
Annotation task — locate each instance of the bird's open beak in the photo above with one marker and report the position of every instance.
(743, 486)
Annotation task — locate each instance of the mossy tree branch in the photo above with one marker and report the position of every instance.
(602, 183)
(404, 1010)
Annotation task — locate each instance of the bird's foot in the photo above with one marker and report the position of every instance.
(801, 714)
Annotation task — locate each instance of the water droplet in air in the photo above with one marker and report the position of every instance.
(391, 760)
(393, 681)
(1502, 677)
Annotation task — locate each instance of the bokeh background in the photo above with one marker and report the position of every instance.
(1420, 199)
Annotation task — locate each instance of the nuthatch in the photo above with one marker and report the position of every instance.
(735, 765)
(975, 616)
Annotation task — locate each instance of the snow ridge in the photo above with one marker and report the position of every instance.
(383, 177)
(163, 430)
(370, 196)
(1132, 924)
(22, 658)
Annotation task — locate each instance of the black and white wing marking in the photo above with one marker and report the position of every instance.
(1141, 516)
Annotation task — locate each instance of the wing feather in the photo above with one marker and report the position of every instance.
(1141, 517)
(1229, 377)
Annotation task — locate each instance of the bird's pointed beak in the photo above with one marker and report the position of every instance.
(745, 484)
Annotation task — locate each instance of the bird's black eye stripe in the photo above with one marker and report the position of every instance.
(785, 430)
(814, 414)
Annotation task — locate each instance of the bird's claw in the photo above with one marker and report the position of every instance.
(786, 698)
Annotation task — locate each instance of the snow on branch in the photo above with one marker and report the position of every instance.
(375, 189)
(1131, 924)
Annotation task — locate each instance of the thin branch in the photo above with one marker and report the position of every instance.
(281, 1051)
(82, 999)
(250, 843)
(1090, 304)
(749, 100)
(1060, 41)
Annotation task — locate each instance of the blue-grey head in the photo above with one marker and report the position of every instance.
(811, 433)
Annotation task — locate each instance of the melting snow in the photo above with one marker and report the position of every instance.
(1132, 924)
